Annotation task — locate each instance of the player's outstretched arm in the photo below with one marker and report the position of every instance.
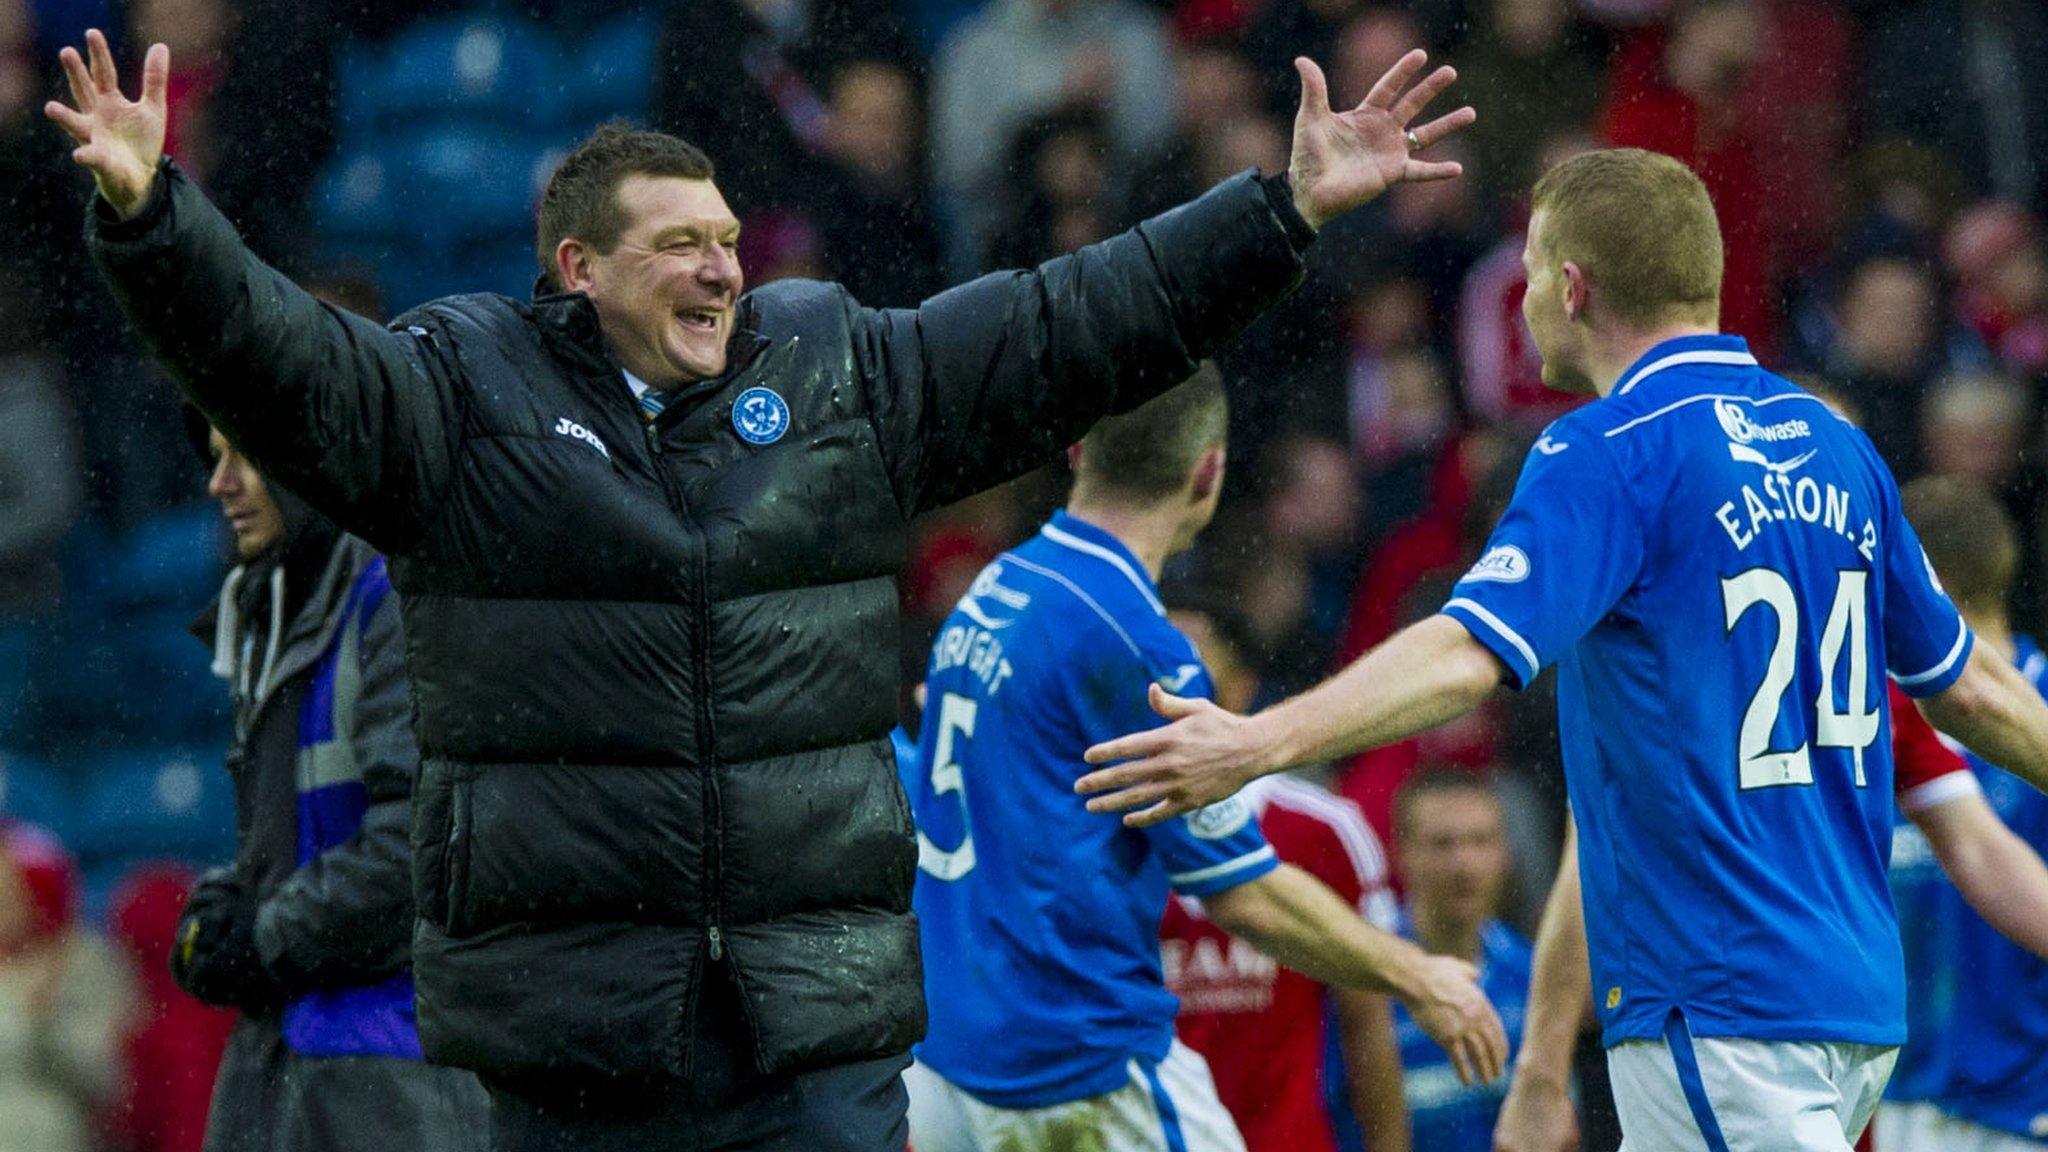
(1424, 675)
(349, 416)
(1537, 1116)
(2001, 876)
(1296, 919)
(1994, 710)
(1372, 1068)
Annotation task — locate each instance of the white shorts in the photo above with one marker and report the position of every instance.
(1924, 1128)
(1714, 1094)
(1168, 1107)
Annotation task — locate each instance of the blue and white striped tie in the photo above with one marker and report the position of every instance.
(651, 403)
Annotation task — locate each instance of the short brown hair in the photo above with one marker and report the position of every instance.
(1970, 539)
(1440, 780)
(1642, 228)
(1147, 453)
(582, 197)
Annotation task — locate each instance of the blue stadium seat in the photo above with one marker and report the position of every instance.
(168, 693)
(614, 72)
(353, 198)
(174, 558)
(19, 642)
(479, 69)
(134, 675)
(452, 185)
(32, 790)
(505, 265)
(176, 802)
(360, 97)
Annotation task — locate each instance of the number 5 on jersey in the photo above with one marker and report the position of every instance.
(1847, 627)
(956, 721)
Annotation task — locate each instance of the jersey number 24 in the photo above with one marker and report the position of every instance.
(1847, 629)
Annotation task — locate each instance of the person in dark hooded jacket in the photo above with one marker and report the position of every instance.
(645, 530)
(308, 932)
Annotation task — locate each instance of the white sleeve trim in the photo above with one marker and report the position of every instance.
(1214, 871)
(1940, 790)
(1954, 653)
(1500, 627)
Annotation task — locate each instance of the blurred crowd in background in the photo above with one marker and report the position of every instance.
(1880, 168)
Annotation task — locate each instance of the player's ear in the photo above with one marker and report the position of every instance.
(1576, 290)
(1209, 473)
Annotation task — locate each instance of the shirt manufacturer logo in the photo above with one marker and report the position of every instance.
(575, 431)
(1506, 564)
(760, 416)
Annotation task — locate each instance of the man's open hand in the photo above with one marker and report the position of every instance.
(119, 140)
(1449, 1006)
(1343, 160)
(1206, 754)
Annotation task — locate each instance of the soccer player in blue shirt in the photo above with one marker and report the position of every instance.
(1450, 835)
(1051, 1026)
(1976, 1079)
(1720, 569)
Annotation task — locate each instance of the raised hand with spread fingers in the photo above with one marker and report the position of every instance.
(1344, 160)
(118, 140)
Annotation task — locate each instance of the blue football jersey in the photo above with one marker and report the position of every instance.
(1443, 1114)
(1930, 918)
(1721, 572)
(1040, 920)
(1998, 1037)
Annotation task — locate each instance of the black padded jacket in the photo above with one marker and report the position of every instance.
(654, 665)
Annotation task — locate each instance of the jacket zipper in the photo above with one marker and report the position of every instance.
(714, 801)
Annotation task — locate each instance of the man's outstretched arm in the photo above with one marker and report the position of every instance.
(1431, 672)
(1537, 1115)
(2001, 876)
(1296, 919)
(353, 418)
(1993, 710)
(990, 379)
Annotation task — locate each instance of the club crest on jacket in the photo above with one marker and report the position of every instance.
(760, 416)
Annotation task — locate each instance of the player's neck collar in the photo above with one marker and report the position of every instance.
(1683, 351)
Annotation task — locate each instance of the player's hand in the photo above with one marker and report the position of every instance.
(119, 140)
(1344, 160)
(1449, 1006)
(1206, 754)
(1536, 1117)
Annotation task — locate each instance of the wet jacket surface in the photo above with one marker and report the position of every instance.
(654, 664)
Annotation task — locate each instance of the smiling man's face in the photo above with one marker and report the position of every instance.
(665, 294)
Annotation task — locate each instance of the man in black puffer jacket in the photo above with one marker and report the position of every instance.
(663, 865)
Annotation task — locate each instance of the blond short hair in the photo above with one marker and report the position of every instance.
(1641, 227)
